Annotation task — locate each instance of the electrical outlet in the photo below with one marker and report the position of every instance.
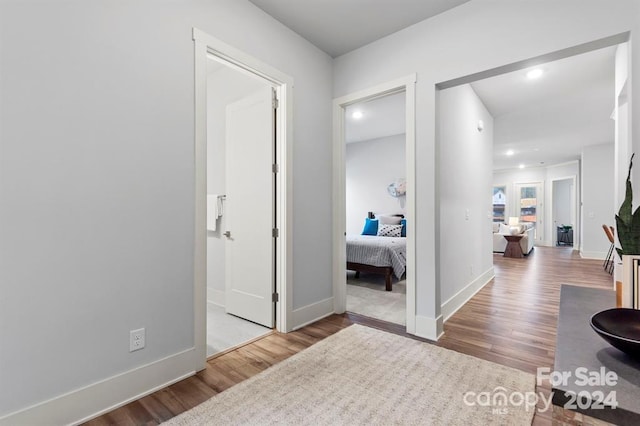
(466, 214)
(136, 339)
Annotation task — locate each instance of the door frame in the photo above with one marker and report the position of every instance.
(408, 85)
(574, 209)
(206, 46)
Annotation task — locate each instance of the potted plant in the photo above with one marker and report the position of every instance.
(628, 230)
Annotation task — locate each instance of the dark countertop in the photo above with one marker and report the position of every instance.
(578, 346)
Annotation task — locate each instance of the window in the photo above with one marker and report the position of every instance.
(499, 203)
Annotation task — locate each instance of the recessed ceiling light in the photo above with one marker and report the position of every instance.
(357, 115)
(510, 152)
(535, 73)
(521, 166)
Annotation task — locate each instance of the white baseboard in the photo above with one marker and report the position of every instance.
(217, 297)
(312, 313)
(86, 403)
(459, 299)
(429, 328)
(593, 255)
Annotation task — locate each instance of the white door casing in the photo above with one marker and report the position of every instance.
(249, 208)
(408, 85)
(207, 48)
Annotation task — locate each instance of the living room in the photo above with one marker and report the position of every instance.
(554, 134)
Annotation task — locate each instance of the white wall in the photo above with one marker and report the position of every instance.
(623, 143)
(562, 206)
(465, 188)
(458, 43)
(545, 175)
(597, 199)
(97, 189)
(224, 86)
(370, 167)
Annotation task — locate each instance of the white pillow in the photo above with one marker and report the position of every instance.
(504, 229)
(389, 230)
(389, 220)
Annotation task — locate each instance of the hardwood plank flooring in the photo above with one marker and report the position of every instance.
(511, 321)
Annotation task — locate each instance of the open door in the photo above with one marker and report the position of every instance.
(249, 208)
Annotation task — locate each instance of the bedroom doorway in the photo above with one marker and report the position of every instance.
(375, 189)
(373, 182)
(242, 272)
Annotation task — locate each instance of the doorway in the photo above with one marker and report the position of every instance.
(563, 212)
(240, 119)
(375, 167)
(249, 268)
(406, 85)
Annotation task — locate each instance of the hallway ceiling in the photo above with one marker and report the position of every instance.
(340, 26)
(550, 119)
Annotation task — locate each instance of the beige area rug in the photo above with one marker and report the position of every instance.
(364, 376)
(367, 296)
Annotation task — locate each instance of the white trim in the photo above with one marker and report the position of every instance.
(206, 47)
(452, 305)
(312, 313)
(216, 297)
(429, 328)
(596, 255)
(566, 163)
(406, 84)
(88, 402)
(510, 169)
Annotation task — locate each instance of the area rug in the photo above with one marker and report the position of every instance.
(366, 296)
(364, 376)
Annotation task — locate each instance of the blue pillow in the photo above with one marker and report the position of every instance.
(403, 222)
(370, 227)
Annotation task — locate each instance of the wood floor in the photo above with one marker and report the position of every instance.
(511, 321)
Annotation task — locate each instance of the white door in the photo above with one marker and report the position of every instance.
(249, 208)
(530, 206)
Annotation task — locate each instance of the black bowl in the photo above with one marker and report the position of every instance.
(620, 327)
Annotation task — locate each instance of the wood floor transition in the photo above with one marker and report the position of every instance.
(511, 321)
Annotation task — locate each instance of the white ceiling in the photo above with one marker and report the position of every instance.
(340, 26)
(544, 121)
(381, 117)
(549, 120)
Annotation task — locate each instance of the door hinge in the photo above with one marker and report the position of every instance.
(274, 99)
(275, 168)
(276, 233)
(275, 297)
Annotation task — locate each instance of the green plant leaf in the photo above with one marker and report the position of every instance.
(628, 223)
(625, 208)
(624, 236)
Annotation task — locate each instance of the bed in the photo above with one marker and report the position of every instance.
(380, 255)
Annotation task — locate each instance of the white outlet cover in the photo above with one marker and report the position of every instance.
(136, 339)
